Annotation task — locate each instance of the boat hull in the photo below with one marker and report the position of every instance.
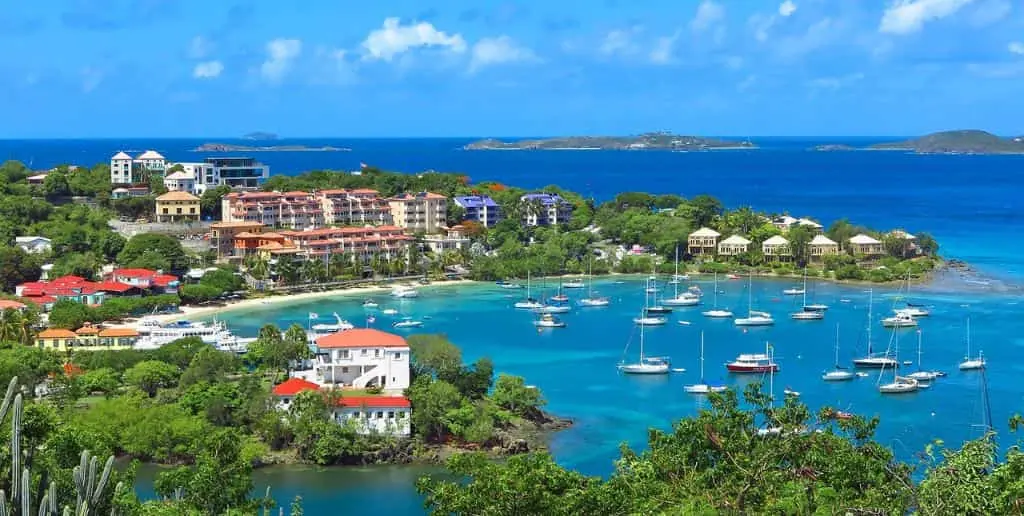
(682, 301)
(718, 314)
(754, 321)
(704, 388)
(751, 368)
(875, 363)
(594, 302)
(644, 368)
(807, 316)
(838, 376)
(658, 310)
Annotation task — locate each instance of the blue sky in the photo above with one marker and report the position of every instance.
(99, 68)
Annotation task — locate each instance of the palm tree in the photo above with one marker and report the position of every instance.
(287, 270)
(16, 326)
(313, 271)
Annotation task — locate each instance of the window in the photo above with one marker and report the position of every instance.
(376, 353)
(355, 414)
(344, 369)
(165, 211)
(380, 414)
(179, 211)
(365, 352)
(391, 414)
(284, 401)
(344, 353)
(401, 415)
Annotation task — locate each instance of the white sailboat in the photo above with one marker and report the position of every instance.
(971, 364)
(703, 387)
(770, 430)
(684, 299)
(913, 309)
(645, 365)
(548, 321)
(805, 314)
(645, 318)
(573, 283)
(753, 318)
(921, 375)
(590, 300)
(715, 312)
(529, 303)
(899, 384)
(838, 374)
(873, 361)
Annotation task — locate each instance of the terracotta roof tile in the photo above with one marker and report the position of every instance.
(361, 338)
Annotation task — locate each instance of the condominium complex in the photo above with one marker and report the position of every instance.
(357, 243)
(194, 178)
(293, 210)
(419, 212)
(354, 207)
(546, 209)
(480, 208)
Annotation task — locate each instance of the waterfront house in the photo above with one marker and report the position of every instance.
(910, 246)
(129, 192)
(865, 245)
(545, 209)
(419, 212)
(389, 414)
(33, 244)
(784, 222)
(125, 169)
(702, 242)
(87, 338)
(822, 246)
(480, 208)
(177, 207)
(734, 245)
(236, 172)
(362, 358)
(359, 206)
(453, 239)
(222, 236)
(776, 247)
(37, 179)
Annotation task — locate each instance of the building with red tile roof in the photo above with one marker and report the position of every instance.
(146, 279)
(419, 212)
(363, 358)
(384, 414)
(295, 210)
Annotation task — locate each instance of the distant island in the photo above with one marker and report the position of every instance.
(229, 147)
(647, 141)
(260, 136)
(967, 141)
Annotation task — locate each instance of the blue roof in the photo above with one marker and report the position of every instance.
(475, 201)
(545, 198)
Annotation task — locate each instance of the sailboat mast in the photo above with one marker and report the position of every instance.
(968, 337)
(871, 301)
(918, 350)
(716, 290)
(750, 294)
(837, 346)
(702, 357)
(805, 286)
(675, 277)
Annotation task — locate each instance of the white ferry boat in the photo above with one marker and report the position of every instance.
(402, 291)
(216, 334)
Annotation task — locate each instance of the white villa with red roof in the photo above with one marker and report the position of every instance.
(370, 414)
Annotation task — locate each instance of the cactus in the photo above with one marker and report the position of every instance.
(88, 489)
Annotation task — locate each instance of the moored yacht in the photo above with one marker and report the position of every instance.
(553, 309)
(407, 322)
(899, 320)
(404, 291)
(754, 363)
(321, 329)
(754, 317)
(716, 312)
(574, 283)
(838, 374)
(972, 364)
(548, 321)
(687, 298)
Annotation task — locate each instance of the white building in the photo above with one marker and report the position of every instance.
(198, 177)
(368, 414)
(180, 181)
(421, 211)
(362, 358)
(453, 240)
(33, 244)
(124, 168)
(776, 247)
(733, 246)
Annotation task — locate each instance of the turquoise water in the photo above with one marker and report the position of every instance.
(575, 366)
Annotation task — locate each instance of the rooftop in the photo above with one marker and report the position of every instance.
(736, 240)
(475, 201)
(121, 155)
(776, 240)
(177, 196)
(361, 338)
(705, 232)
(822, 240)
(150, 154)
(293, 386)
(863, 239)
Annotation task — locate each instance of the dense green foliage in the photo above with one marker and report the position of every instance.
(722, 462)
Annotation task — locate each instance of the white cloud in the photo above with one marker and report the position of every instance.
(199, 48)
(761, 24)
(663, 49)
(280, 54)
(620, 41)
(393, 39)
(1016, 47)
(989, 12)
(208, 70)
(502, 49)
(91, 79)
(908, 16)
(787, 8)
(835, 83)
(708, 14)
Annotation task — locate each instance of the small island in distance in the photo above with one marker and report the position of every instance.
(260, 136)
(230, 147)
(646, 141)
(967, 141)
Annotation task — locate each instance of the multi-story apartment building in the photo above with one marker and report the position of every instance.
(292, 210)
(480, 208)
(546, 209)
(354, 207)
(419, 212)
(360, 243)
(125, 169)
(236, 172)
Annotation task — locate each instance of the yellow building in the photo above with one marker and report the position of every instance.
(423, 211)
(87, 338)
(177, 207)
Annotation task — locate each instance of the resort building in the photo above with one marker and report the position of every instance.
(177, 207)
(358, 244)
(452, 240)
(776, 247)
(480, 208)
(222, 235)
(360, 206)
(420, 212)
(87, 338)
(33, 244)
(784, 222)
(822, 246)
(291, 210)
(910, 246)
(865, 245)
(125, 169)
(733, 246)
(361, 358)
(147, 280)
(702, 242)
(247, 244)
(813, 226)
(236, 172)
(181, 181)
(390, 415)
(73, 288)
(545, 209)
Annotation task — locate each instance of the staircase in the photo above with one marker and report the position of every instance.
(369, 378)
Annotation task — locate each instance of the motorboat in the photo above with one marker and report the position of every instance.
(703, 387)
(790, 393)
(807, 315)
(574, 283)
(794, 292)
(648, 320)
(838, 374)
(732, 276)
(899, 320)
(658, 309)
(559, 308)
(548, 321)
(753, 363)
(914, 311)
(231, 343)
(322, 329)
(716, 312)
(402, 291)
(407, 322)
(972, 364)
(147, 324)
(369, 303)
(389, 311)
(507, 285)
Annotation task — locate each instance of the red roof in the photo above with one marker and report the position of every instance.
(65, 280)
(361, 338)
(113, 286)
(40, 300)
(293, 386)
(162, 280)
(375, 401)
(8, 304)
(134, 273)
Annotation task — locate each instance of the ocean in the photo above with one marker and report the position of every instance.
(971, 204)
